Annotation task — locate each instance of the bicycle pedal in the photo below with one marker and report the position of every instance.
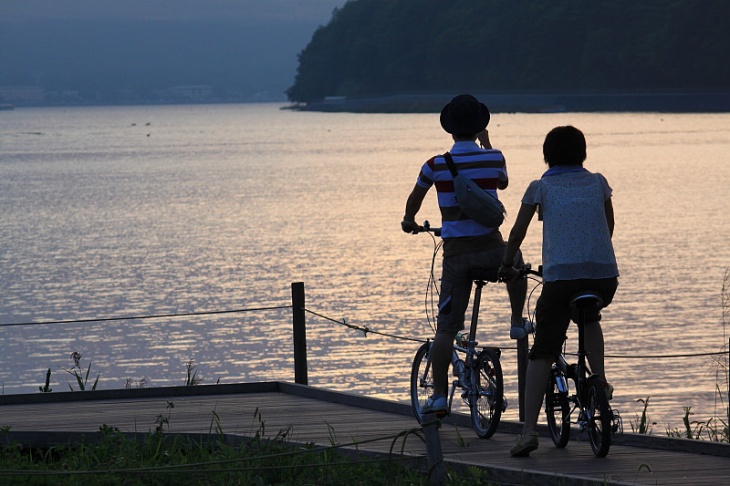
(505, 404)
(439, 414)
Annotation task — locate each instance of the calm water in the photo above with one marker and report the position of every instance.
(136, 211)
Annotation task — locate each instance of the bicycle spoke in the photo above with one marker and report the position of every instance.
(421, 380)
(557, 408)
(487, 394)
(599, 417)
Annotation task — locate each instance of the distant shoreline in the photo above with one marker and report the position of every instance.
(668, 102)
(498, 102)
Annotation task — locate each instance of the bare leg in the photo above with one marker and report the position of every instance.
(538, 372)
(593, 335)
(441, 352)
(517, 290)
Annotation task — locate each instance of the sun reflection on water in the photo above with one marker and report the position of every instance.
(224, 207)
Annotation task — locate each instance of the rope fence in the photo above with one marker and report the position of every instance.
(365, 330)
(135, 318)
(299, 312)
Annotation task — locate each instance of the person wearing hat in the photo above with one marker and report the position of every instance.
(467, 245)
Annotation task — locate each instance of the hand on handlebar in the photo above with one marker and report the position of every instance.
(414, 228)
(410, 227)
(507, 274)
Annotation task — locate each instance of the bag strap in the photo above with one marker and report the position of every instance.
(450, 164)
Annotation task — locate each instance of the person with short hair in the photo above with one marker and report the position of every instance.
(577, 254)
(467, 244)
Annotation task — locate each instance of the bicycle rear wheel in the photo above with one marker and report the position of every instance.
(599, 417)
(421, 380)
(557, 408)
(488, 394)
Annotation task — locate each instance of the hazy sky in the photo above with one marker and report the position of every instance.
(83, 44)
(284, 11)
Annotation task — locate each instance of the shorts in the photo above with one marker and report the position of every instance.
(553, 312)
(456, 284)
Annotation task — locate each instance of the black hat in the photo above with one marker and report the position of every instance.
(464, 115)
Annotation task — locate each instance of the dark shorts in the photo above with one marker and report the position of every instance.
(553, 313)
(456, 284)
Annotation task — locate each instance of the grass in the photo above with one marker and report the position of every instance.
(157, 458)
(82, 380)
(191, 372)
(698, 430)
(642, 424)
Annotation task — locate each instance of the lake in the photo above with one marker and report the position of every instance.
(112, 212)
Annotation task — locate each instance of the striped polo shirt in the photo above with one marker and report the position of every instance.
(486, 167)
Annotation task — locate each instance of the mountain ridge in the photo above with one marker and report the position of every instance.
(374, 47)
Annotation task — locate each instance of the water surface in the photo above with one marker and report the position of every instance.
(138, 211)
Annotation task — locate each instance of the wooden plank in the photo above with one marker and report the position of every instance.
(323, 417)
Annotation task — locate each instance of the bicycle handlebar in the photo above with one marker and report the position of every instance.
(526, 269)
(426, 228)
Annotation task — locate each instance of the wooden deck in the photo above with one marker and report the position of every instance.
(319, 416)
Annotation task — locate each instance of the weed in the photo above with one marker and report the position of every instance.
(460, 439)
(641, 425)
(714, 429)
(217, 420)
(692, 429)
(47, 387)
(723, 364)
(262, 424)
(130, 383)
(192, 374)
(163, 420)
(157, 458)
(81, 379)
(169, 459)
(332, 434)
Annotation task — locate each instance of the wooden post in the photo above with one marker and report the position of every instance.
(300, 333)
(436, 469)
(522, 351)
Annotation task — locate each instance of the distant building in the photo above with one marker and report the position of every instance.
(22, 94)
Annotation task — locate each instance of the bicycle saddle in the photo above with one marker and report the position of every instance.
(587, 300)
(488, 274)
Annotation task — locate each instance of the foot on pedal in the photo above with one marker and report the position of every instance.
(435, 404)
(521, 330)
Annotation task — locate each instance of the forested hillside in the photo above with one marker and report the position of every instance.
(373, 47)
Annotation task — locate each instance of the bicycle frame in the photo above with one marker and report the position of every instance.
(478, 374)
(594, 411)
(578, 373)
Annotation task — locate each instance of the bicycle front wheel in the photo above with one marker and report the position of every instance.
(421, 380)
(487, 395)
(599, 417)
(557, 408)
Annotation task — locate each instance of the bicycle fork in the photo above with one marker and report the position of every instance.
(579, 398)
(565, 371)
(561, 372)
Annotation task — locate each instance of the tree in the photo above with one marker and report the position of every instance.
(373, 47)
